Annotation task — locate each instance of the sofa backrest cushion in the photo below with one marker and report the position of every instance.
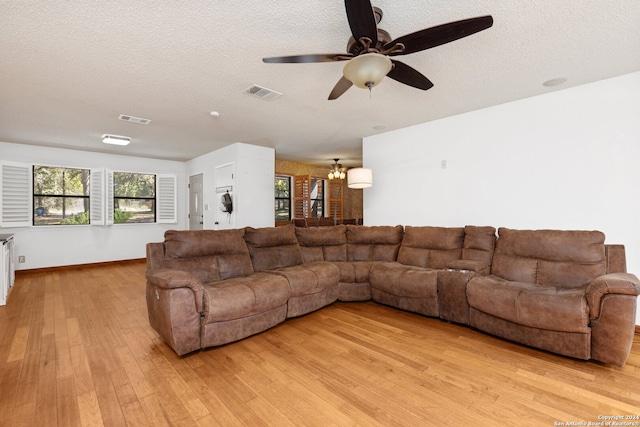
(616, 258)
(323, 243)
(210, 255)
(431, 247)
(479, 243)
(273, 247)
(561, 258)
(373, 243)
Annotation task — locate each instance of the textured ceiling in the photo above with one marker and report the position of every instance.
(68, 69)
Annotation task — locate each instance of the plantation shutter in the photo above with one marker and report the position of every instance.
(166, 191)
(97, 206)
(15, 203)
(109, 197)
(336, 199)
(301, 196)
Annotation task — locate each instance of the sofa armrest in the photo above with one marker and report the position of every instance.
(613, 283)
(173, 279)
(469, 265)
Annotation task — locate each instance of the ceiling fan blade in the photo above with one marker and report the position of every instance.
(322, 57)
(403, 73)
(362, 20)
(441, 34)
(341, 87)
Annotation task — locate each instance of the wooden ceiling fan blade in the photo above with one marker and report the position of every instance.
(341, 87)
(403, 73)
(321, 57)
(439, 35)
(362, 20)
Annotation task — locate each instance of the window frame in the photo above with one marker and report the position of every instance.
(113, 197)
(288, 199)
(85, 197)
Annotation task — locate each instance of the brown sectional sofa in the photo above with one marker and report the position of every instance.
(561, 291)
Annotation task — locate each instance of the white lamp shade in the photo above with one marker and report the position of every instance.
(359, 178)
(366, 71)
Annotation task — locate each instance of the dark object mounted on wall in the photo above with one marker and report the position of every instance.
(226, 204)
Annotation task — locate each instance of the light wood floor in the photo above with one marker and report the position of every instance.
(76, 349)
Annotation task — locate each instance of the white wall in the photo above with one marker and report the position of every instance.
(564, 160)
(84, 244)
(253, 194)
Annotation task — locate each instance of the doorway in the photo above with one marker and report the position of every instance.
(196, 214)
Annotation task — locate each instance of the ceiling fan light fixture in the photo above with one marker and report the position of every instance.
(336, 171)
(359, 178)
(368, 70)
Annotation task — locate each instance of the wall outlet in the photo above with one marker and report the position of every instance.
(21, 259)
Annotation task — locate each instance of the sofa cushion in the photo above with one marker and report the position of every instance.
(567, 259)
(373, 243)
(323, 243)
(210, 255)
(404, 280)
(309, 278)
(431, 247)
(542, 307)
(479, 243)
(244, 296)
(273, 247)
(355, 272)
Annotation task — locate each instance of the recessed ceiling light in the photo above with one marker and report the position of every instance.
(116, 140)
(554, 82)
(214, 114)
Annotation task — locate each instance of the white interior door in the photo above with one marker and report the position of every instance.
(196, 214)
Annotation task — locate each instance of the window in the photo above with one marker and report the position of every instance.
(317, 198)
(60, 196)
(134, 198)
(283, 198)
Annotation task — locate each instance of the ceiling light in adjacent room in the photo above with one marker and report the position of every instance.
(116, 140)
(336, 171)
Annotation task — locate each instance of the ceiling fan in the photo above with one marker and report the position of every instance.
(369, 49)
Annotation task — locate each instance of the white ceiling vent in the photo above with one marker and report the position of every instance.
(262, 92)
(133, 119)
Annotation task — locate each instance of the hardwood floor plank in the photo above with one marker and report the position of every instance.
(67, 402)
(76, 348)
(111, 410)
(24, 391)
(23, 416)
(19, 344)
(134, 415)
(46, 408)
(90, 414)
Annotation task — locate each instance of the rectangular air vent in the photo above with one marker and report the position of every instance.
(134, 119)
(262, 92)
